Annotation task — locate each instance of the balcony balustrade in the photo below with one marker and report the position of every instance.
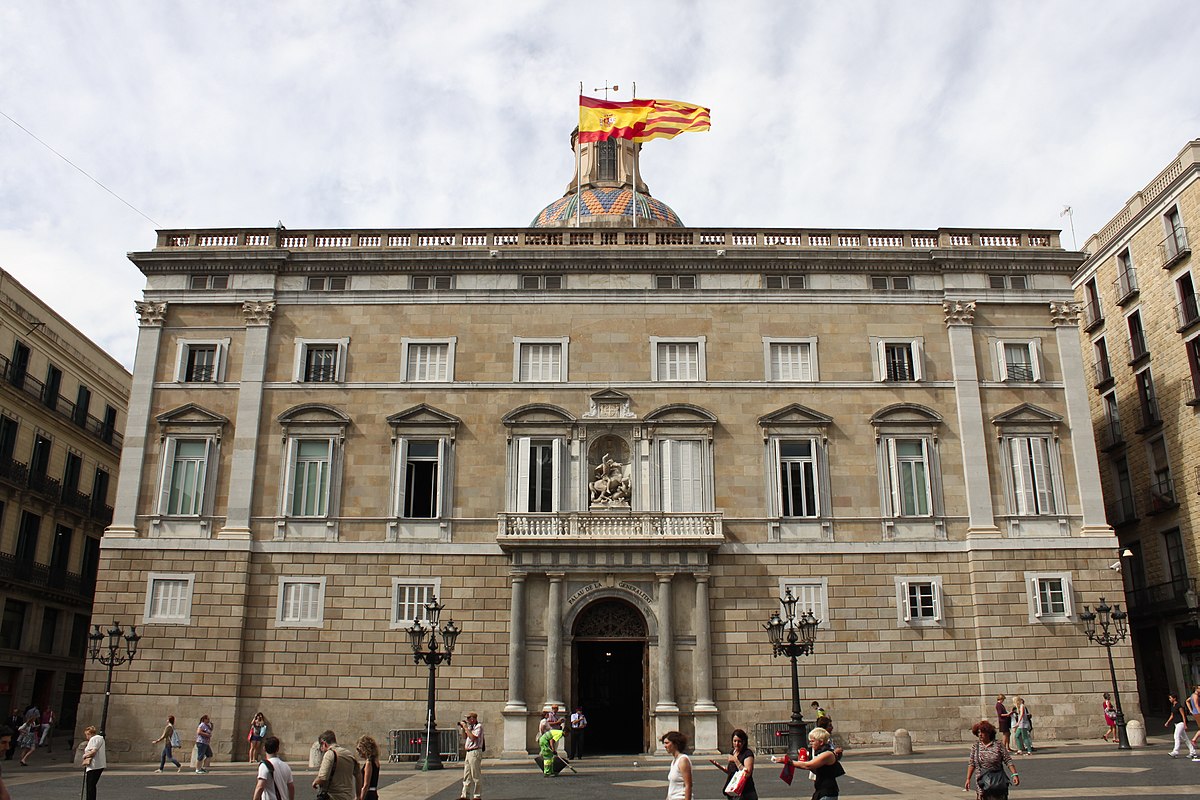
(35, 389)
(40, 576)
(1174, 248)
(609, 527)
(1160, 598)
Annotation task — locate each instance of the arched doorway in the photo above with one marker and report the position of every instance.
(609, 655)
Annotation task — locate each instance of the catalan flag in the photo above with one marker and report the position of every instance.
(638, 120)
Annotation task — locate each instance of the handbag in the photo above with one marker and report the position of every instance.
(993, 780)
(737, 782)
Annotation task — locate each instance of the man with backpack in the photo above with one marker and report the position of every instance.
(274, 775)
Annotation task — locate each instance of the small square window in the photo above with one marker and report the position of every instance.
(678, 360)
(791, 282)
(891, 283)
(432, 283)
(674, 281)
(540, 362)
(1049, 597)
(301, 602)
(169, 599)
(427, 362)
(811, 595)
(409, 598)
(210, 282)
(1019, 361)
(327, 283)
(536, 282)
(919, 601)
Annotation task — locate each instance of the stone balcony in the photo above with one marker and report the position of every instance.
(609, 528)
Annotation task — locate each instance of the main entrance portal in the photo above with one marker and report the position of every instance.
(610, 677)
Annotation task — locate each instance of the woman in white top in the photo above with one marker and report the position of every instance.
(679, 779)
(94, 761)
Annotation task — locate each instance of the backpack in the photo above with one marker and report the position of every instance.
(175, 738)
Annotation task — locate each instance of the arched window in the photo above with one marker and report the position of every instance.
(607, 160)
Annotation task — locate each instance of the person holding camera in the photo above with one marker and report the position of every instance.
(339, 774)
(472, 731)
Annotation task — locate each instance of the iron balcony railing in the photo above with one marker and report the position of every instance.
(17, 473)
(1161, 494)
(1103, 371)
(1161, 598)
(1111, 435)
(1126, 285)
(32, 387)
(1121, 511)
(1093, 314)
(1174, 248)
(40, 576)
(1187, 311)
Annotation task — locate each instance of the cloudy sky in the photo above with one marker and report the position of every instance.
(418, 114)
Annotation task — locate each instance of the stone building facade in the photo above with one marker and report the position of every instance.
(608, 445)
(1142, 331)
(62, 405)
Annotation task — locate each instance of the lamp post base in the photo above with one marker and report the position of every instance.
(432, 761)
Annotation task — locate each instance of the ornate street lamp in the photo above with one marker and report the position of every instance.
(110, 656)
(1112, 630)
(431, 653)
(793, 638)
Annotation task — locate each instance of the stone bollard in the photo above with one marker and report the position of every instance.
(901, 743)
(314, 755)
(1136, 732)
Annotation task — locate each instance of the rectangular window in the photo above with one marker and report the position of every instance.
(1049, 597)
(432, 283)
(1176, 243)
(169, 598)
(71, 473)
(408, 601)
(790, 282)
(1137, 337)
(1193, 358)
(545, 282)
(8, 437)
(428, 362)
(681, 477)
(1018, 361)
(920, 601)
(674, 281)
(1112, 433)
(1162, 487)
(320, 363)
(1189, 306)
(421, 498)
(49, 630)
(1093, 312)
(1032, 480)
(39, 458)
(309, 488)
(538, 474)
(798, 478)
(791, 361)
(540, 362)
(891, 283)
(27, 538)
(200, 363)
(301, 602)
(1176, 556)
(900, 361)
(908, 465)
(60, 553)
(1147, 399)
(12, 627)
(1015, 282)
(1103, 368)
(210, 282)
(53, 385)
(811, 596)
(678, 360)
(186, 468)
(327, 283)
(1126, 282)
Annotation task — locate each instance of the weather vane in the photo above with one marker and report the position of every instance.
(605, 89)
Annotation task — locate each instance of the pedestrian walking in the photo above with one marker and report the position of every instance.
(94, 761)
(1179, 717)
(368, 751)
(47, 725)
(258, 732)
(679, 777)
(1004, 722)
(473, 744)
(1110, 720)
(990, 765)
(170, 740)
(824, 763)
(1193, 707)
(27, 738)
(275, 780)
(579, 725)
(339, 772)
(741, 757)
(1022, 722)
(204, 732)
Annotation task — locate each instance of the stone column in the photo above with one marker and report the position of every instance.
(1065, 318)
(666, 712)
(515, 710)
(554, 643)
(257, 315)
(705, 710)
(137, 420)
(960, 317)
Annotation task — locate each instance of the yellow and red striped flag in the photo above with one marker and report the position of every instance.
(638, 120)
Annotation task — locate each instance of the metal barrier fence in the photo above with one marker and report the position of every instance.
(409, 745)
(771, 738)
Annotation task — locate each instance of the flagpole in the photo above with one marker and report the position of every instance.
(635, 167)
(578, 164)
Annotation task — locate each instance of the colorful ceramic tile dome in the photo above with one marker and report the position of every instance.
(606, 204)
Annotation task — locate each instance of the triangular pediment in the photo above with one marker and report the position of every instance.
(315, 413)
(610, 396)
(1026, 414)
(795, 414)
(423, 414)
(906, 413)
(537, 413)
(191, 414)
(680, 412)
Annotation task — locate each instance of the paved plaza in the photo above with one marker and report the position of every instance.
(1067, 769)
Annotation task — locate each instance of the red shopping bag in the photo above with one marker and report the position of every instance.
(789, 769)
(736, 784)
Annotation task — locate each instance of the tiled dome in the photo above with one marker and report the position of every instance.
(606, 204)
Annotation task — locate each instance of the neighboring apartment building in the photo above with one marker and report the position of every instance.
(608, 449)
(62, 405)
(1142, 328)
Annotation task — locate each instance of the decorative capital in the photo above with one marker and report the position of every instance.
(1065, 314)
(258, 312)
(959, 312)
(150, 315)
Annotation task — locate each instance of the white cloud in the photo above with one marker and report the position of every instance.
(355, 114)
